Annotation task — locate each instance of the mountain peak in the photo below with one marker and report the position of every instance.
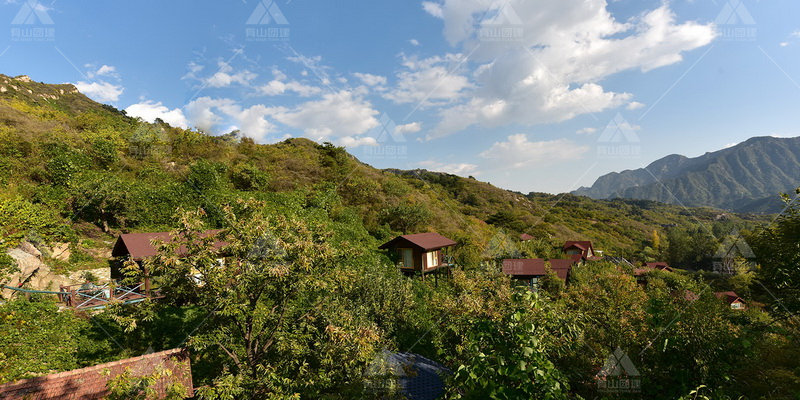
(745, 177)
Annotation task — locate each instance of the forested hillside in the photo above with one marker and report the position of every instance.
(743, 178)
(309, 302)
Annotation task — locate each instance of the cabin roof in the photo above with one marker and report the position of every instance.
(581, 244)
(524, 267)
(138, 246)
(525, 237)
(562, 267)
(91, 382)
(729, 297)
(659, 265)
(425, 241)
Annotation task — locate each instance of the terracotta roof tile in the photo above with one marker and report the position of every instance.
(90, 383)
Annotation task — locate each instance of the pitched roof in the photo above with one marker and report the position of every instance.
(562, 268)
(581, 244)
(524, 267)
(425, 241)
(659, 265)
(729, 297)
(90, 383)
(525, 237)
(138, 245)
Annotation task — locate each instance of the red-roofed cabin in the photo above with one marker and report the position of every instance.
(138, 247)
(420, 252)
(733, 299)
(582, 248)
(528, 270)
(531, 270)
(653, 266)
(563, 268)
(525, 237)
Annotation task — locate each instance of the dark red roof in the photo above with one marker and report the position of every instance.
(525, 237)
(659, 265)
(524, 267)
(138, 245)
(90, 383)
(425, 241)
(562, 268)
(729, 297)
(583, 245)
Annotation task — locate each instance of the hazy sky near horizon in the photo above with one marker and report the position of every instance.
(529, 95)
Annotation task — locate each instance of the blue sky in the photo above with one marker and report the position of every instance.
(528, 95)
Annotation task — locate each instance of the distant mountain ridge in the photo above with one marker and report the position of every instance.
(745, 178)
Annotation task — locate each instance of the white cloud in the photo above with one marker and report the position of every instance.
(370, 80)
(149, 111)
(552, 73)
(452, 168)
(412, 127)
(414, 42)
(104, 70)
(339, 114)
(100, 91)
(207, 114)
(352, 142)
(276, 87)
(519, 152)
(434, 9)
(784, 44)
(224, 77)
(586, 131)
(634, 105)
(430, 81)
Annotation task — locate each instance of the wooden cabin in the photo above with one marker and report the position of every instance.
(139, 247)
(653, 266)
(581, 250)
(733, 299)
(563, 268)
(532, 270)
(420, 253)
(527, 270)
(525, 237)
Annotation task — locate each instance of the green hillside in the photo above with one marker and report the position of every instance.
(73, 161)
(306, 306)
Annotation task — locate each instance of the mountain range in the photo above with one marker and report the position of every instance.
(746, 177)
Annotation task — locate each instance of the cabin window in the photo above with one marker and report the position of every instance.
(737, 306)
(406, 258)
(433, 258)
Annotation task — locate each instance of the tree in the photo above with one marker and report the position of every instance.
(281, 317)
(508, 359)
(777, 248)
(406, 217)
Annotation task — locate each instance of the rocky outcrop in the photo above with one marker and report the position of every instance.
(35, 274)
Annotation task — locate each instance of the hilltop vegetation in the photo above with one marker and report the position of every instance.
(307, 301)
